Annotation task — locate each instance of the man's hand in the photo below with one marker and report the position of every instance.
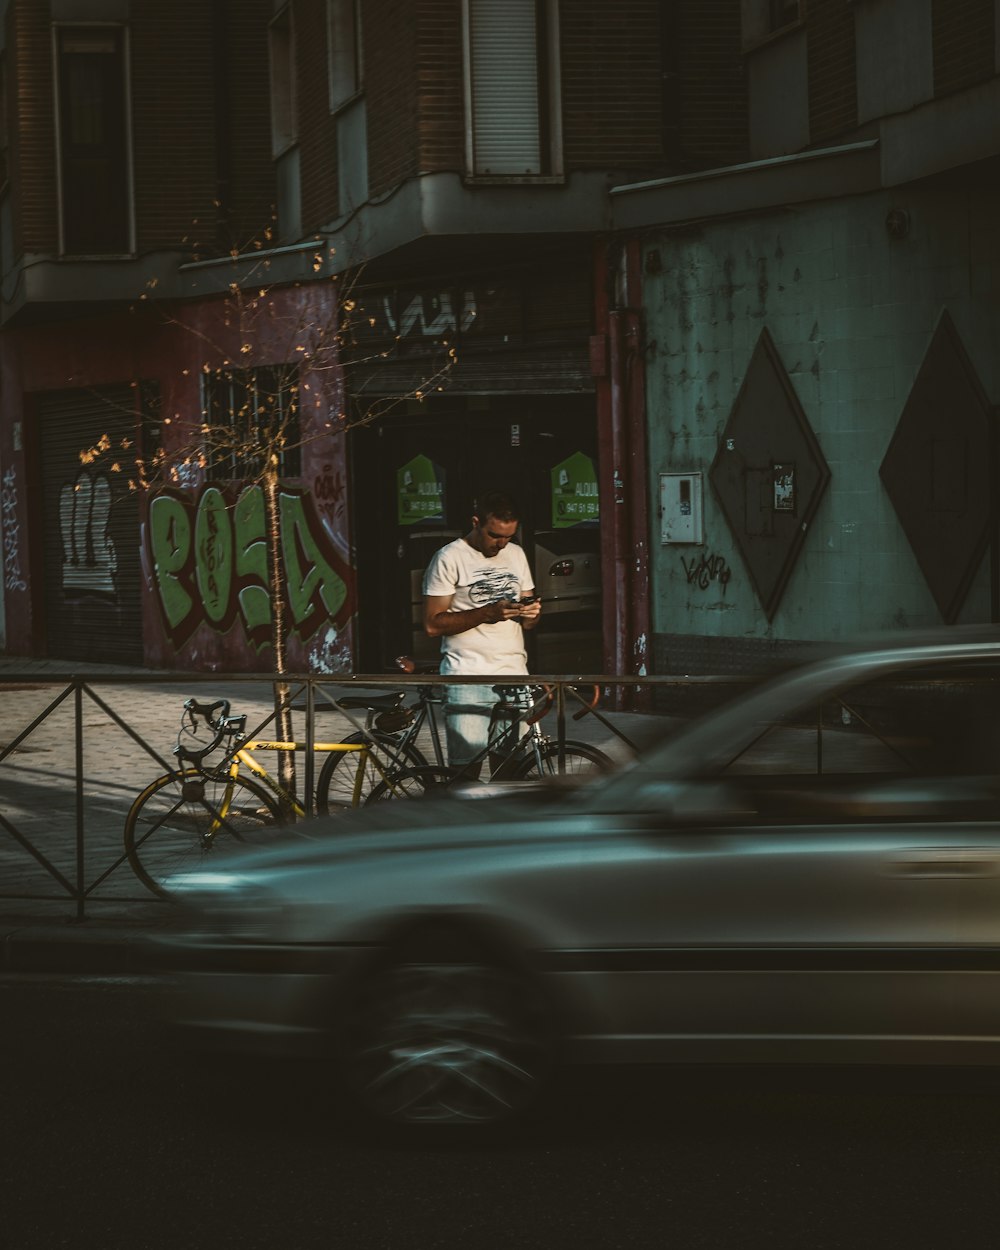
(502, 610)
(530, 610)
(440, 621)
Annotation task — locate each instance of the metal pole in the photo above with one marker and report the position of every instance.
(561, 724)
(819, 740)
(80, 890)
(310, 753)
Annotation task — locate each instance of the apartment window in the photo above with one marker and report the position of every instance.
(246, 413)
(513, 118)
(281, 48)
(763, 18)
(343, 36)
(93, 140)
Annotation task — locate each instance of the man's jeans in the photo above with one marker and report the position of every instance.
(467, 713)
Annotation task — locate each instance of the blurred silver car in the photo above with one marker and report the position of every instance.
(811, 873)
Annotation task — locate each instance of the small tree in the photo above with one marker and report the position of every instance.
(249, 424)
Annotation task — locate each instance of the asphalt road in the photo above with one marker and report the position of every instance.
(111, 1140)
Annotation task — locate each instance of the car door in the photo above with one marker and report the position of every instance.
(802, 907)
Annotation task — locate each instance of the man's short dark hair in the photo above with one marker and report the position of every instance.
(496, 503)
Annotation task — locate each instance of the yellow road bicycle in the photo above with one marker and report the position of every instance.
(203, 806)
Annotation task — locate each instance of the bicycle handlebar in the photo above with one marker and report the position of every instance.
(207, 710)
(221, 725)
(409, 665)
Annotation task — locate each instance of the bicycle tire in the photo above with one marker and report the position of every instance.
(413, 783)
(335, 787)
(170, 829)
(580, 760)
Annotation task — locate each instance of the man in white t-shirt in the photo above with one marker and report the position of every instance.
(479, 595)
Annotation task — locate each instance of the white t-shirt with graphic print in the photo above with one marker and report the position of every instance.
(474, 580)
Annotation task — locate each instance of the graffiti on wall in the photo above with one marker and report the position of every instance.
(708, 569)
(90, 561)
(431, 314)
(12, 576)
(207, 559)
(329, 493)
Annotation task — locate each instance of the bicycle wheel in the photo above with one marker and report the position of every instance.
(580, 760)
(413, 783)
(184, 817)
(338, 778)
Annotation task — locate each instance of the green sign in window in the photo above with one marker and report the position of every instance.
(420, 492)
(574, 492)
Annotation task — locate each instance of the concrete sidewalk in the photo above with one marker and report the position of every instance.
(40, 926)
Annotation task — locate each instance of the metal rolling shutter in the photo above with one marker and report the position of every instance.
(90, 526)
(503, 42)
(561, 371)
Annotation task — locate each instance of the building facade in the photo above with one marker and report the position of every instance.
(695, 278)
(385, 222)
(823, 325)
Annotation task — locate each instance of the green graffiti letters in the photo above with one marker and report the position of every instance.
(315, 592)
(251, 564)
(213, 537)
(168, 534)
(207, 560)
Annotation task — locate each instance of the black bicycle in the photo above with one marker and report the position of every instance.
(517, 750)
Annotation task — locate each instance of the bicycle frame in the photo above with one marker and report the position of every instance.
(242, 756)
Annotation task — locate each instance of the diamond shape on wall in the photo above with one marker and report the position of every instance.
(769, 473)
(936, 470)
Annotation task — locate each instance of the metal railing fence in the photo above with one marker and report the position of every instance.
(76, 750)
(62, 817)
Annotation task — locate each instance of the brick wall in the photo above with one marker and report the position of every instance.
(611, 84)
(710, 95)
(392, 52)
(612, 90)
(32, 128)
(173, 72)
(441, 133)
(251, 170)
(832, 70)
(963, 33)
(173, 124)
(317, 127)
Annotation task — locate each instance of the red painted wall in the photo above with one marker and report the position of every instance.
(287, 326)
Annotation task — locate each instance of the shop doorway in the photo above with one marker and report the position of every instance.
(414, 479)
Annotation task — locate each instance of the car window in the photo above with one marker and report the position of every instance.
(856, 735)
(923, 742)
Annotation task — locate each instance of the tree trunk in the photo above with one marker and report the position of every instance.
(279, 625)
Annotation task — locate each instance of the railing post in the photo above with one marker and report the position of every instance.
(81, 891)
(310, 762)
(819, 740)
(561, 724)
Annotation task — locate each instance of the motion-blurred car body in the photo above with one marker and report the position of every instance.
(811, 873)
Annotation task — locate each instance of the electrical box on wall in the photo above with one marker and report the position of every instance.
(680, 508)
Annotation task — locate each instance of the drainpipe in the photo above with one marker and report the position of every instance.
(637, 477)
(622, 452)
(620, 528)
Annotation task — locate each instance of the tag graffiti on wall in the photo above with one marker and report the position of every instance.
(208, 563)
(708, 569)
(13, 579)
(90, 561)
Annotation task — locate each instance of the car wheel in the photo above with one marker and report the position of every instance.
(438, 1040)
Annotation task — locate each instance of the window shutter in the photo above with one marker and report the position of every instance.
(504, 72)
